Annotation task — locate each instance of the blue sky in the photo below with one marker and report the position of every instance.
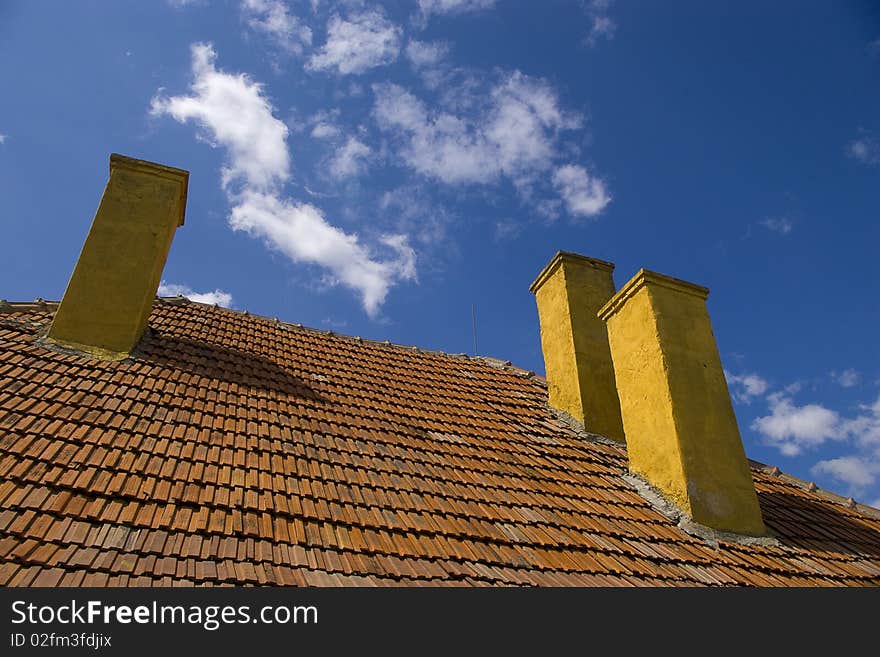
(379, 169)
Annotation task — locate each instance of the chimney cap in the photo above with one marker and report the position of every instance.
(181, 176)
(567, 256)
(642, 278)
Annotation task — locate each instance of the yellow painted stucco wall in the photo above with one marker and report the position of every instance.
(577, 358)
(105, 308)
(680, 427)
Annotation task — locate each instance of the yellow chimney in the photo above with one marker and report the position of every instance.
(580, 375)
(108, 300)
(681, 432)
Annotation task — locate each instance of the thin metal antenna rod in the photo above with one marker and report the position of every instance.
(474, 320)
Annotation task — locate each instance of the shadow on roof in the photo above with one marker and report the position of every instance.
(222, 363)
(801, 521)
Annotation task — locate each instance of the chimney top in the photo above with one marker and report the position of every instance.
(644, 277)
(567, 256)
(121, 162)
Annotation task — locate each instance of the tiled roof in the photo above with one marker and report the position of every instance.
(234, 449)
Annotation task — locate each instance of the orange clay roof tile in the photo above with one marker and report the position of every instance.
(233, 449)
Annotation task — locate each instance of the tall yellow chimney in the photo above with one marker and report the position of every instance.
(580, 375)
(681, 431)
(108, 300)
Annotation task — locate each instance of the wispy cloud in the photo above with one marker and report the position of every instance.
(232, 112)
(414, 213)
(745, 387)
(506, 229)
(426, 54)
(2, 138)
(272, 18)
(325, 124)
(510, 130)
(848, 378)
(325, 130)
(781, 225)
(358, 43)
(439, 7)
(601, 24)
(218, 296)
(349, 160)
(428, 60)
(865, 149)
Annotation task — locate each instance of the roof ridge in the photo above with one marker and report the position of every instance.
(24, 306)
(812, 487)
(488, 360)
(40, 304)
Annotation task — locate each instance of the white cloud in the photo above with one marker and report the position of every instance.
(846, 379)
(858, 473)
(300, 231)
(861, 469)
(441, 146)
(601, 24)
(781, 225)
(746, 387)
(584, 195)
(325, 131)
(865, 149)
(512, 131)
(236, 115)
(324, 124)
(508, 130)
(2, 139)
(525, 116)
(426, 54)
(357, 44)
(865, 427)
(233, 113)
(429, 7)
(349, 159)
(218, 296)
(791, 428)
(272, 18)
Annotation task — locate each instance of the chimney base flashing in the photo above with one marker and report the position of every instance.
(81, 350)
(580, 430)
(659, 502)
